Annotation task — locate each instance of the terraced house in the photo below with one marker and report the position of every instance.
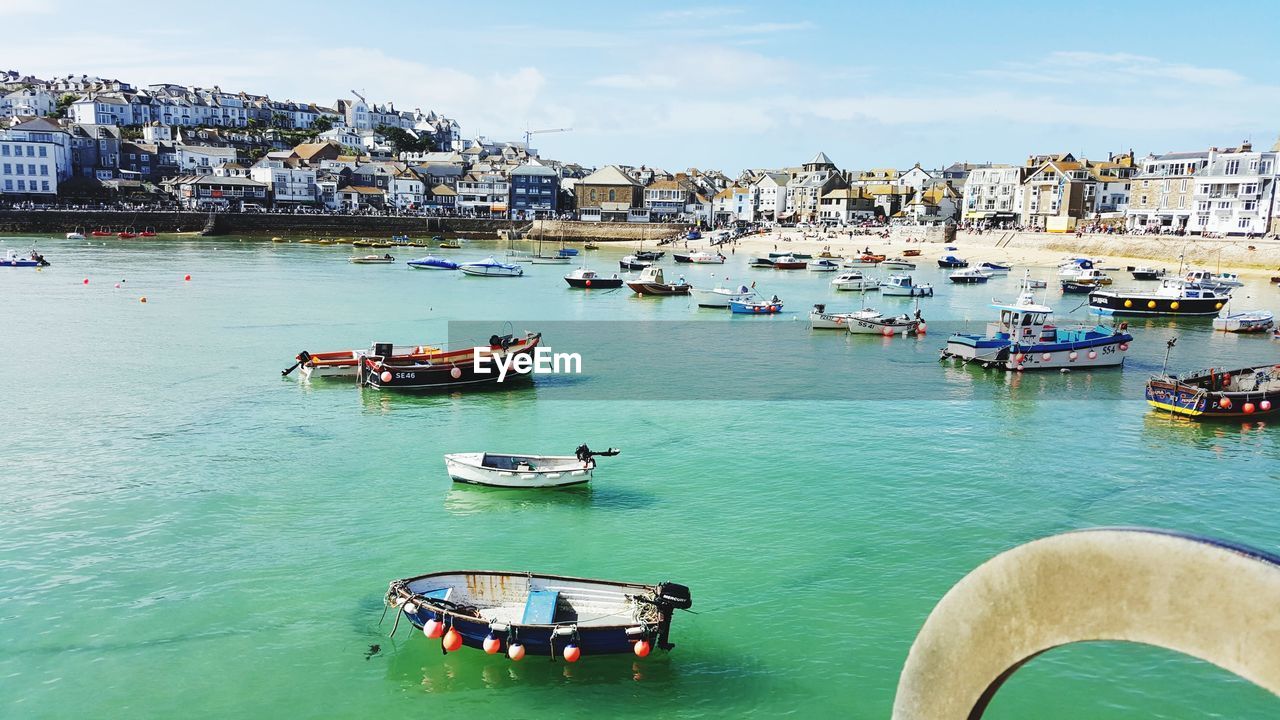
(1235, 193)
(1162, 197)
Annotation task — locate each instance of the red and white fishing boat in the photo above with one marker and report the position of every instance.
(346, 363)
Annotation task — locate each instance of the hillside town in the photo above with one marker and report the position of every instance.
(78, 140)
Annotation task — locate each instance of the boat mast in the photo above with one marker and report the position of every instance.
(1168, 347)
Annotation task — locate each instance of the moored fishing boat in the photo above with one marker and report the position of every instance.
(451, 370)
(632, 262)
(706, 258)
(951, 261)
(1071, 287)
(761, 262)
(797, 256)
(898, 264)
(1022, 339)
(824, 265)
(101, 232)
(720, 296)
(994, 268)
(148, 233)
(489, 267)
(789, 262)
(756, 306)
(524, 471)
(970, 276)
(35, 260)
(911, 253)
(1148, 273)
(1217, 394)
(551, 259)
(589, 245)
(584, 278)
(1221, 282)
(372, 259)
(855, 280)
(650, 255)
(76, 234)
(1089, 276)
(904, 285)
(820, 319)
(1249, 321)
(1173, 297)
(346, 363)
(651, 282)
(886, 325)
(127, 234)
(432, 262)
(450, 245)
(523, 613)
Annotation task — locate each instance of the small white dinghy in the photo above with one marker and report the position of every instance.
(524, 471)
(1250, 321)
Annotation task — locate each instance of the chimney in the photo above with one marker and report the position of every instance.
(1246, 146)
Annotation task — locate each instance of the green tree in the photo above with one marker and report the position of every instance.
(322, 124)
(279, 120)
(404, 141)
(64, 102)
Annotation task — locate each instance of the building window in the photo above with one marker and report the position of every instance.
(1233, 167)
(1243, 223)
(44, 185)
(613, 195)
(44, 152)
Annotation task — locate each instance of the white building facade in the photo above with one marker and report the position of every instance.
(1235, 192)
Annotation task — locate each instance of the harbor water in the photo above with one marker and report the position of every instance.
(185, 532)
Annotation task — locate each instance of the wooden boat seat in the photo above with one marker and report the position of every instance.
(540, 608)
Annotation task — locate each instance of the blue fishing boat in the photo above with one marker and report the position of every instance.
(568, 252)
(521, 613)
(433, 262)
(1022, 339)
(12, 259)
(693, 235)
(743, 306)
(951, 261)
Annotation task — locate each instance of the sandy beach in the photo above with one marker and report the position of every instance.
(1032, 249)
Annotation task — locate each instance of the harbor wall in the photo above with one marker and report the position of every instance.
(606, 231)
(1199, 252)
(43, 222)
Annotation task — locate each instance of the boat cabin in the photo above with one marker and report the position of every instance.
(1022, 322)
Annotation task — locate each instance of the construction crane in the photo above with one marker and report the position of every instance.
(528, 133)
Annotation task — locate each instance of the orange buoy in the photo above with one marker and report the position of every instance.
(1248, 408)
(1265, 405)
(385, 376)
(588, 283)
(433, 628)
(887, 332)
(492, 644)
(641, 648)
(922, 328)
(1225, 403)
(572, 653)
(452, 640)
(142, 299)
(516, 652)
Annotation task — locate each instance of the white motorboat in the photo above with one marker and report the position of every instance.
(905, 286)
(551, 260)
(524, 471)
(372, 260)
(75, 235)
(1249, 321)
(706, 258)
(888, 326)
(1212, 281)
(490, 267)
(824, 265)
(820, 319)
(898, 263)
(720, 296)
(970, 276)
(855, 280)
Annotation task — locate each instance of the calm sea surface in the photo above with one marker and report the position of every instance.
(184, 532)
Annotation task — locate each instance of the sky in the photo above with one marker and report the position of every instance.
(718, 85)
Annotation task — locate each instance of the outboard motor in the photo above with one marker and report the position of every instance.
(820, 308)
(674, 595)
(383, 350)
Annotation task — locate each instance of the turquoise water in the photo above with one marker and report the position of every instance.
(185, 532)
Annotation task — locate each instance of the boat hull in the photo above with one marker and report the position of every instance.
(714, 299)
(1197, 402)
(1245, 323)
(658, 289)
(491, 270)
(1099, 350)
(883, 326)
(1112, 303)
(650, 622)
(597, 283)
(464, 468)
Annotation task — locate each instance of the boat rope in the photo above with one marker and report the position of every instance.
(397, 623)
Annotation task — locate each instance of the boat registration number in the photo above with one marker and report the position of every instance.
(406, 375)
